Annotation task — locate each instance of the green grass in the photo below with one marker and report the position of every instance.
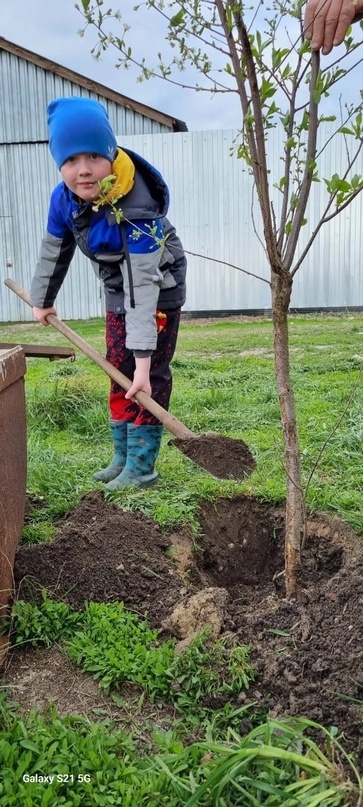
(223, 381)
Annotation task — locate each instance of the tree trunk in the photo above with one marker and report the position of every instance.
(281, 283)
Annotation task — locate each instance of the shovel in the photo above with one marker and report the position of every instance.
(221, 456)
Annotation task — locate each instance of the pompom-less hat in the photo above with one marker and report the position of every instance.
(79, 125)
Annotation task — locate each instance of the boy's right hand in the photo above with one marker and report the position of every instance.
(141, 380)
(41, 314)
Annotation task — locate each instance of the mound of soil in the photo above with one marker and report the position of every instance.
(104, 554)
(307, 655)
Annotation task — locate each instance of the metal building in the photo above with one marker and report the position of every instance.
(28, 83)
(213, 203)
(216, 211)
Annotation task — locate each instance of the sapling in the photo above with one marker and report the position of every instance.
(260, 54)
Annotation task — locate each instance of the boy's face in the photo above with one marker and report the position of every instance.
(82, 173)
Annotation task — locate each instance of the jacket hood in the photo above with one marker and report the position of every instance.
(153, 181)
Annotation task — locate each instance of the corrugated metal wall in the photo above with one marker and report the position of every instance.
(26, 90)
(211, 208)
(211, 205)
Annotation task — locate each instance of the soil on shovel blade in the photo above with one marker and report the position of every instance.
(307, 655)
(223, 457)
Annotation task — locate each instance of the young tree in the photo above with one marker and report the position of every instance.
(261, 54)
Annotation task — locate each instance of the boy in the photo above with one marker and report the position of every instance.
(123, 229)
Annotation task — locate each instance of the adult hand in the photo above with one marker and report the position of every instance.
(327, 21)
(141, 380)
(41, 314)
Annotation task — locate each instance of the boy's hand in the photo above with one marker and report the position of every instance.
(141, 380)
(41, 314)
(327, 21)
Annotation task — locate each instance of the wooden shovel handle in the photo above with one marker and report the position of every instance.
(171, 423)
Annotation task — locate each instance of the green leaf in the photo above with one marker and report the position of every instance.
(278, 56)
(29, 745)
(178, 18)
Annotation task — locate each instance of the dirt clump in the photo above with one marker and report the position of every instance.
(207, 608)
(307, 655)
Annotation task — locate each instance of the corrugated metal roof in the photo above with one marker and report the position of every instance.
(29, 81)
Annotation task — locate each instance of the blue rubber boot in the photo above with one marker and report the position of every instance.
(143, 445)
(119, 439)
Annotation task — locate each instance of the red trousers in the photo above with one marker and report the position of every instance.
(160, 373)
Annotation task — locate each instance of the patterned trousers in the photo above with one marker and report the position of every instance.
(160, 373)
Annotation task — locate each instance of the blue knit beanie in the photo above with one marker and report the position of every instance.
(79, 125)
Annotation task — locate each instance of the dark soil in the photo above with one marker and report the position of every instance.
(307, 655)
(224, 457)
(104, 554)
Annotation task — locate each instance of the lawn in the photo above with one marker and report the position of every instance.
(223, 382)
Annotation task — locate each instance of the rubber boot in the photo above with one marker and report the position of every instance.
(119, 439)
(143, 445)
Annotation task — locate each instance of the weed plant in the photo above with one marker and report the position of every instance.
(116, 646)
(87, 764)
(44, 623)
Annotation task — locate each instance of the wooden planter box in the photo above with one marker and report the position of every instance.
(12, 471)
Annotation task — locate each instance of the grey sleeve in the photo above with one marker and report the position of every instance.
(54, 259)
(141, 332)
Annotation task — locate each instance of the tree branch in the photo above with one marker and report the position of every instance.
(308, 174)
(260, 167)
(241, 87)
(288, 158)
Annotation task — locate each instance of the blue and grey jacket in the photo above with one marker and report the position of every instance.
(139, 275)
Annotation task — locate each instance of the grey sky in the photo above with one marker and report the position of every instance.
(49, 28)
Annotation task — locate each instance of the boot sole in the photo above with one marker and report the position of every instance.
(101, 476)
(138, 483)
